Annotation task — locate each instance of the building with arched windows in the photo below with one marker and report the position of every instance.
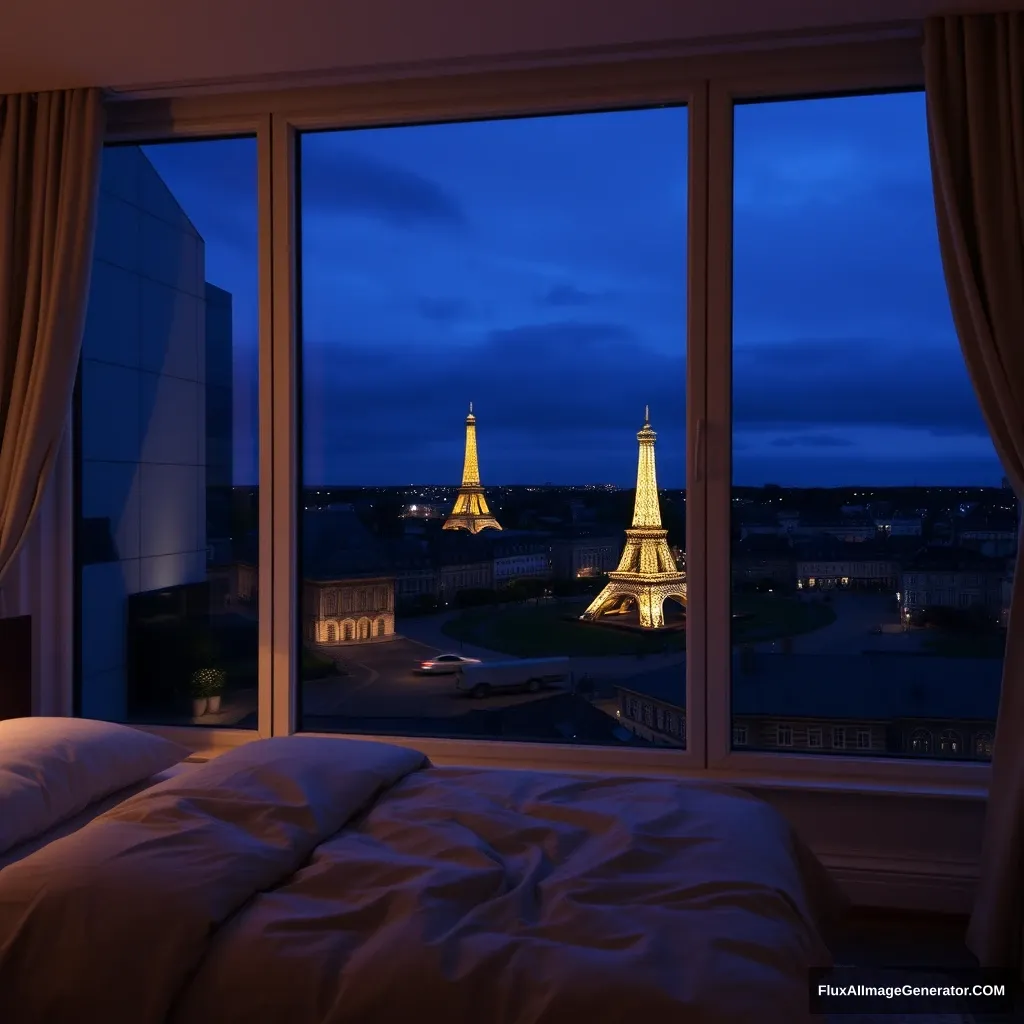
(358, 610)
(348, 593)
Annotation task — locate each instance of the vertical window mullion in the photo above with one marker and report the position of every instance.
(696, 429)
(278, 438)
(265, 432)
(718, 430)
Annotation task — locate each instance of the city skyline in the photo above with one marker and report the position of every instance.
(538, 267)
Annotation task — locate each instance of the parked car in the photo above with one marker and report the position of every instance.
(445, 664)
(532, 674)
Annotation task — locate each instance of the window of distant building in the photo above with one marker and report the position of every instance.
(983, 744)
(950, 742)
(814, 736)
(921, 741)
(739, 735)
(839, 739)
(649, 715)
(863, 739)
(784, 735)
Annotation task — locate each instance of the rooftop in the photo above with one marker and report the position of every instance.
(878, 687)
(877, 549)
(942, 559)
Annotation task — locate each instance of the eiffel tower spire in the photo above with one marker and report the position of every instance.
(470, 511)
(646, 510)
(647, 573)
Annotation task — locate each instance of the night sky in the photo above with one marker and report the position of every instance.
(537, 267)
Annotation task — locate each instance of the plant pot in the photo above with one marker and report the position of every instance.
(213, 704)
(199, 707)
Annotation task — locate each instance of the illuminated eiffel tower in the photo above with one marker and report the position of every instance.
(471, 512)
(647, 574)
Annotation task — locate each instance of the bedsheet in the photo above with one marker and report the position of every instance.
(324, 881)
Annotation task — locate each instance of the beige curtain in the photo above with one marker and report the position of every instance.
(974, 79)
(50, 149)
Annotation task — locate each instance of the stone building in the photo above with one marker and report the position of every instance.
(349, 610)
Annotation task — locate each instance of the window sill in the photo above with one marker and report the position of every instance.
(853, 785)
(834, 777)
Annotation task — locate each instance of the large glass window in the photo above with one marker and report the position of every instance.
(873, 534)
(166, 439)
(493, 353)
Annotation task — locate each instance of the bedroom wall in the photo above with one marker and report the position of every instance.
(143, 415)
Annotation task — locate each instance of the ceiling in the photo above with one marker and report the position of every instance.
(142, 45)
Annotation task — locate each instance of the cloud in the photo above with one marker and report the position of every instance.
(806, 383)
(805, 470)
(570, 394)
(811, 441)
(568, 295)
(566, 395)
(536, 379)
(442, 311)
(561, 314)
(335, 178)
(835, 220)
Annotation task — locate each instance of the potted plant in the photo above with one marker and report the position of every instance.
(197, 691)
(207, 685)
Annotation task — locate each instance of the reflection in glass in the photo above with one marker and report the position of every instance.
(166, 538)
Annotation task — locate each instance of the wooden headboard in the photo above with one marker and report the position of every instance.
(16, 667)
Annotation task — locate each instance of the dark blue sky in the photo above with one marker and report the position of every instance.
(537, 267)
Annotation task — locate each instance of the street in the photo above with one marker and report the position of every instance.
(380, 680)
(383, 682)
(857, 615)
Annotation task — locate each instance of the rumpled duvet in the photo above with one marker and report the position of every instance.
(319, 881)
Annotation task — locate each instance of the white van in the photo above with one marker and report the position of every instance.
(530, 674)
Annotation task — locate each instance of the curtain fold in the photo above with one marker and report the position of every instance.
(50, 151)
(974, 81)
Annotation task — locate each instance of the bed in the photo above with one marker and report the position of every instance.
(307, 880)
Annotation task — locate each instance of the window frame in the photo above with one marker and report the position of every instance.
(708, 84)
(904, 72)
(142, 123)
(524, 95)
(282, 116)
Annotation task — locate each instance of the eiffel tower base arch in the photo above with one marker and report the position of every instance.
(620, 596)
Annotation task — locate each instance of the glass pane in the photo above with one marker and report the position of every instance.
(167, 466)
(873, 534)
(489, 310)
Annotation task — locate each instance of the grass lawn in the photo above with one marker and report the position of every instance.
(965, 645)
(765, 617)
(554, 629)
(316, 665)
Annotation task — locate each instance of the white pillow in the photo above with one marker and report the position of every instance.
(53, 768)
